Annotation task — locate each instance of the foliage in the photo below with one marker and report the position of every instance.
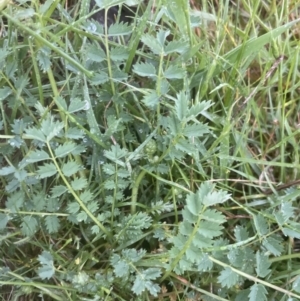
(145, 161)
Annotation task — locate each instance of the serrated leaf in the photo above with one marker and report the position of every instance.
(173, 72)
(296, 284)
(3, 221)
(185, 228)
(34, 133)
(291, 232)
(46, 271)
(65, 149)
(58, 190)
(51, 128)
(79, 183)
(86, 196)
(181, 105)
(118, 54)
(176, 46)
(76, 104)
(228, 278)
(109, 185)
(15, 201)
(145, 69)
(201, 241)
(95, 54)
(287, 210)
(273, 245)
(29, 225)
(99, 78)
(45, 258)
(52, 223)
(16, 141)
(20, 175)
(73, 207)
(152, 43)
(185, 146)
(61, 102)
(74, 133)
(93, 206)
(161, 36)
(262, 265)
(143, 282)
(36, 156)
(70, 168)
(204, 264)
(216, 197)
(260, 224)
(121, 267)
(115, 154)
(6, 91)
(47, 170)
(151, 100)
(119, 29)
(213, 215)
(43, 58)
(195, 130)
(4, 171)
(188, 216)
(258, 292)
(81, 216)
(39, 201)
(194, 204)
(240, 233)
(209, 229)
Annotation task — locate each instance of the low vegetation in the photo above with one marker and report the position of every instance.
(157, 160)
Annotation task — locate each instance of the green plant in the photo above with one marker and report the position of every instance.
(109, 151)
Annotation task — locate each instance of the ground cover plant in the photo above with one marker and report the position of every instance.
(156, 160)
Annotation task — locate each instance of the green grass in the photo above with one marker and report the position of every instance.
(157, 165)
